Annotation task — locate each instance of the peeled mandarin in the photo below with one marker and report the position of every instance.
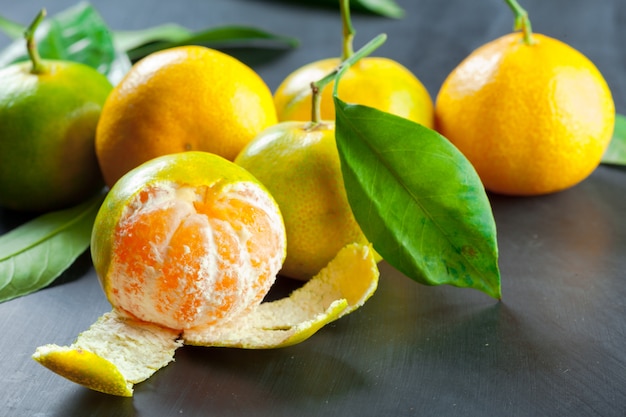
(187, 240)
(186, 246)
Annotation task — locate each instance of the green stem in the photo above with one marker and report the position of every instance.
(318, 86)
(367, 49)
(316, 104)
(522, 22)
(348, 30)
(31, 46)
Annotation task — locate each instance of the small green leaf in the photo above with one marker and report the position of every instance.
(616, 152)
(387, 8)
(77, 34)
(12, 29)
(34, 254)
(140, 43)
(417, 199)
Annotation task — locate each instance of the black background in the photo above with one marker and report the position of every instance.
(553, 347)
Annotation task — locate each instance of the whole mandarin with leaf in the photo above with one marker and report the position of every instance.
(532, 114)
(181, 99)
(374, 81)
(377, 82)
(49, 110)
(299, 164)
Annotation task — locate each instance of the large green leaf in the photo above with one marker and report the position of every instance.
(417, 199)
(35, 254)
(77, 34)
(616, 153)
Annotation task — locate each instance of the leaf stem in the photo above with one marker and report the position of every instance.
(318, 86)
(522, 22)
(31, 46)
(367, 49)
(348, 30)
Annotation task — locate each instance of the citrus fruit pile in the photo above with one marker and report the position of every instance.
(216, 187)
(187, 243)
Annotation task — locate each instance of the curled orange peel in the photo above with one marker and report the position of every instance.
(117, 352)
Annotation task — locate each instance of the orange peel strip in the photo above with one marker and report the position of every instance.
(338, 289)
(112, 355)
(116, 352)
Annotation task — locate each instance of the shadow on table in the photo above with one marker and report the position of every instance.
(236, 379)
(86, 403)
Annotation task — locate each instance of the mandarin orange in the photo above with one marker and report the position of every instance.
(181, 99)
(373, 81)
(533, 118)
(49, 111)
(299, 164)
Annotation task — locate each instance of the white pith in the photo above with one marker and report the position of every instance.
(145, 302)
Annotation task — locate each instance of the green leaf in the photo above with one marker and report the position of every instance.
(12, 29)
(616, 152)
(387, 8)
(417, 199)
(140, 43)
(77, 34)
(34, 254)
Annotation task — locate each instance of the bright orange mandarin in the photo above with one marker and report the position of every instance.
(372, 81)
(532, 119)
(188, 240)
(181, 99)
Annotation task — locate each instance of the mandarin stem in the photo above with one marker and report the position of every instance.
(31, 46)
(316, 104)
(348, 30)
(522, 22)
(365, 50)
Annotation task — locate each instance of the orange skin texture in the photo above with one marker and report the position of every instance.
(187, 240)
(532, 119)
(181, 99)
(373, 81)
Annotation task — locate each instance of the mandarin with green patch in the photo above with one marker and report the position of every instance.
(49, 111)
(298, 162)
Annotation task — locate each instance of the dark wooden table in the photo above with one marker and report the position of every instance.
(555, 345)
